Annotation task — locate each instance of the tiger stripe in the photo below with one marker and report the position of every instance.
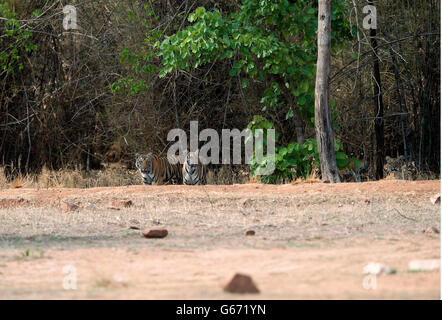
(194, 172)
(158, 169)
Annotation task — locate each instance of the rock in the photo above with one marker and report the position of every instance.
(155, 233)
(68, 206)
(424, 265)
(241, 283)
(431, 230)
(250, 232)
(365, 202)
(435, 199)
(376, 269)
(122, 203)
(134, 228)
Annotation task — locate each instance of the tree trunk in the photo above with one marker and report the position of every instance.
(323, 123)
(378, 108)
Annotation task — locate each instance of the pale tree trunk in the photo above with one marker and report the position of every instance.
(323, 123)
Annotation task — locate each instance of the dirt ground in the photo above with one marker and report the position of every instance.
(312, 241)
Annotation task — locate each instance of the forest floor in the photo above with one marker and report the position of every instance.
(311, 241)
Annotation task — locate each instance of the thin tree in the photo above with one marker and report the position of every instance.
(323, 120)
(378, 106)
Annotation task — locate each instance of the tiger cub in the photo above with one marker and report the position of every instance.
(158, 169)
(194, 172)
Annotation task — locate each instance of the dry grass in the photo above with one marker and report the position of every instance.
(213, 217)
(115, 175)
(312, 238)
(3, 180)
(109, 177)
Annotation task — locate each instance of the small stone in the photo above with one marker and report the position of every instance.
(155, 233)
(68, 206)
(365, 202)
(376, 268)
(134, 228)
(431, 230)
(424, 265)
(122, 203)
(435, 199)
(250, 232)
(244, 202)
(241, 283)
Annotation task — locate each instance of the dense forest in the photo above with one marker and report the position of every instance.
(133, 70)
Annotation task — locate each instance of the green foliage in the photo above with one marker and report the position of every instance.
(266, 39)
(140, 62)
(295, 160)
(14, 40)
(270, 41)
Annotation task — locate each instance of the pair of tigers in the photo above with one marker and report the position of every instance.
(161, 170)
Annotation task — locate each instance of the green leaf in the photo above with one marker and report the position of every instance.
(341, 156)
(289, 114)
(200, 11)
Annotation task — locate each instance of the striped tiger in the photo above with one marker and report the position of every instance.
(158, 169)
(194, 172)
(351, 172)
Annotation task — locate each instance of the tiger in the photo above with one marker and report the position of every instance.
(351, 172)
(194, 172)
(158, 169)
(397, 168)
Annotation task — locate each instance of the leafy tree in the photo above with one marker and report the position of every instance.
(295, 160)
(14, 39)
(266, 40)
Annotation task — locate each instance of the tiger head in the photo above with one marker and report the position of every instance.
(191, 161)
(145, 167)
(394, 164)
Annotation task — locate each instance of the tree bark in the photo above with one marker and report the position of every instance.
(378, 108)
(323, 123)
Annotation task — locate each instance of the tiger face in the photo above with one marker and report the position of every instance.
(145, 167)
(194, 172)
(393, 164)
(397, 168)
